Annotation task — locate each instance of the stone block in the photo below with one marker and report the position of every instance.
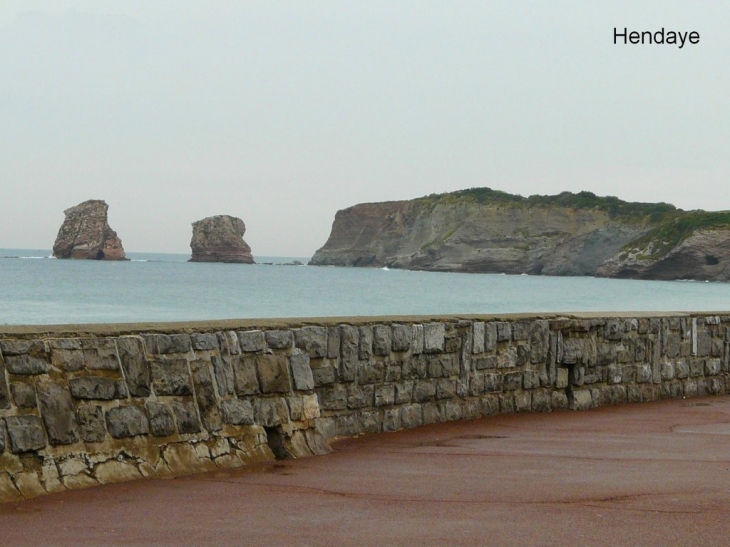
(58, 412)
(712, 367)
(68, 360)
(411, 416)
(521, 330)
(310, 407)
(371, 373)
(279, 339)
(204, 341)
(244, 370)
(348, 425)
(483, 363)
(270, 411)
(116, 471)
(416, 339)
(302, 372)
(452, 344)
(476, 384)
(237, 412)
(580, 399)
(403, 392)
(171, 377)
(273, 373)
(614, 374)
(360, 396)
(530, 379)
(477, 337)
(506, 403)
(312, 340)
(25, 433)
(295, 408)
(25, 364)
(523, 401)
(492, 381)
(643, 373)
(512, 381)
(393, 372)
(91, 423)
(490, 336)
(415, 367)
(667, 370)
(384, 395)
(445, 388)
(507, 357)
(559, 400)
(542, 401)
(349, 352)
(127, 421)
(205, 395)
(453, 411)
(333, 398)
(504, 331)
(228, 342)
(365, 347)
(333, 342)
(23, 394)
(391, 419)
(434, 337)
(162, 421)
(93, 387)
(370, 422)
(223, 373)
(561, 378)
(402, 336)
(251, 341)
(135, 365)
(382, 340)
(186, 417)
(573, 351)
(424, 390)
(324, 376)
(173, 343)
(432, 413)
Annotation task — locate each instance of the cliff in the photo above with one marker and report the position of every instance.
(86, 234)
(220, 239)
(483, 230)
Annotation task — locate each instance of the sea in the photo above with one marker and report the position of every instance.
(37, 289)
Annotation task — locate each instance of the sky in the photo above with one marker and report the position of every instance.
(281, 113)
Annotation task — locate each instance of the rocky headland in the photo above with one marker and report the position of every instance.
(220, 239)
(86, 234)
(484, 230)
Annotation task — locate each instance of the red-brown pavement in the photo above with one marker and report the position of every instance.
(642, 474)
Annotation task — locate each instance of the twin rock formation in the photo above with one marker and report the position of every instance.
(86, 234)
(483, 230)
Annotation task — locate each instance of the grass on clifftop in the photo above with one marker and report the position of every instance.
(674, 231)
(614, 206)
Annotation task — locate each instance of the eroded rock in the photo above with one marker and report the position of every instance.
(220, 239)
(86, 234)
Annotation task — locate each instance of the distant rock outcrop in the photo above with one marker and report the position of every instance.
(484, 230)
(85, 234)
(220, 239)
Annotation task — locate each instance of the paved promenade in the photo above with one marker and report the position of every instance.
(645, 474)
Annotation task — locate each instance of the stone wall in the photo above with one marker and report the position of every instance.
(105, 404)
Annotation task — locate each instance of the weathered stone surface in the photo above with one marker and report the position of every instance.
(85, 233)
(173, 343)
(324, 376)
(273, 373)
(251, 340)
(365, 348)
(26, 433)
(23, 394)
(434, 337)
(382, 340)
(244, 369)
(58, 413)
(135, 365)
(237, 412)
(270, 411)
(349, 352)
(204, 342)
(384, 395)
(91, 423)
(223, 372)
(162, 421)
(312, 340)
(186, 417)
(279, 339)
(301, 372)
(93, 387)
(478, 337)
(171, 377)
(26, 364)
(205, 394)
(402, 336)
(127, 421)
(2, 437)
(333, 342)
(220, 239)
(580, 399)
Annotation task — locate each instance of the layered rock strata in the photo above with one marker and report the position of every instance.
(220, 239)
(482, 230)
(86, 234)
(87, 408)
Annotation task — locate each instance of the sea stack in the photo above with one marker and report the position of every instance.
(220, 239)
(86, 234)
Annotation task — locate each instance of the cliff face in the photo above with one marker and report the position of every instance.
(220, 239)
(85, 233)
(481, 230)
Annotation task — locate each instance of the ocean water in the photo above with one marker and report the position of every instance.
(35, 289)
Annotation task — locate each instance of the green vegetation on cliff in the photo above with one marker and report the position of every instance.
(614, 206)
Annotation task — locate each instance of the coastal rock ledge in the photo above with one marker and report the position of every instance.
(220, 239)
(86, 234)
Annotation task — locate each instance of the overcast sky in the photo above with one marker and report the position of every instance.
(281, 113)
